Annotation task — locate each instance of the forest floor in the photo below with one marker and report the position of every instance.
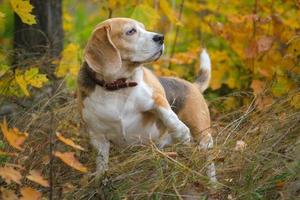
(256, 152)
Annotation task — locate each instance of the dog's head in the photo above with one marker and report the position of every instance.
(120, 40)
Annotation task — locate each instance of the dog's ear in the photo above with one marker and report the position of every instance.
(100, 52)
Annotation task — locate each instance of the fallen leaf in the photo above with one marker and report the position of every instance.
(37, 177)
(171, 154)
(68, 187)
(29, 193)
(69, 142)
(14, 137)
(9, 175)
(69, 159)
(280, 185)
(8, 194)
(240, 145)
(258, 86)
(263, 102)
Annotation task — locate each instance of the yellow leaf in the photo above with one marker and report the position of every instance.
(8, 194)
(33, 78)
(230, 103)
(146, 14)
(36, 176)
(295, 101)
(168, 11)
(112, 4)
(69, 142)
(22, 83)
(69, 63)
(9, 175)
(69, 159)
(14, 137)
(2, 21)
(23, 8)
(282, 86)
(29, 193)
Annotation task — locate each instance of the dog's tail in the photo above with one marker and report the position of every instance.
(204, 75)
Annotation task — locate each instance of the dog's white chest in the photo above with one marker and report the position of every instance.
(119, 114)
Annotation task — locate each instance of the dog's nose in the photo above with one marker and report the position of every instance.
(159, 38)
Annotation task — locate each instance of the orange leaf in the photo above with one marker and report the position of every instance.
(257, 86)
(8, 194)
(14, 137)
(9, 174)
(264, 44)
(171, 154)
(69, 159)
(30, 194)
(280, 184)
(36, 176)
(69, 142)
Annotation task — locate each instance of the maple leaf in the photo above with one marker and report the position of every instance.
(14, 137)
(29, 193)
(20, 79)
(69, 159)
(23, 8)
(7, 194)
(33, 78)
(69, 142)
(9, 175)
(37, 177)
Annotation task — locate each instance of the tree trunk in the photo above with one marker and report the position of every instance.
(43, 40)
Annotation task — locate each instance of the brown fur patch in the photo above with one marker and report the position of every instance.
(195, 113)
(159, 95)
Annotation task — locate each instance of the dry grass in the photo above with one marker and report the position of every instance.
(268, 168)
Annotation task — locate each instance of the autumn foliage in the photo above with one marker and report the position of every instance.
(254, 100)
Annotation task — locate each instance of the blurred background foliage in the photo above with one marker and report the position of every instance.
(254, 44)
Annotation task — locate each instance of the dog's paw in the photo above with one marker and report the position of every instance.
(183, 134)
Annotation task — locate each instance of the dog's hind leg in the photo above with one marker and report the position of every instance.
(207, 143)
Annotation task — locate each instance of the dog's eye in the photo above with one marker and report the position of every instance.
(131, 31)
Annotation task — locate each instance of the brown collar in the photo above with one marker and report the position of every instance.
(115, 85)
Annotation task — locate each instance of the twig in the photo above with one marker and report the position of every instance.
(177, 193)
(176, 34)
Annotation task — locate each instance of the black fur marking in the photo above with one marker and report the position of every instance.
(84, 79)
(176, 92)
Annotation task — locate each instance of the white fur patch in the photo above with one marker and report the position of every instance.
(119, 114)
(205, 63)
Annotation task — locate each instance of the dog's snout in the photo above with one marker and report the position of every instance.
(159, 38)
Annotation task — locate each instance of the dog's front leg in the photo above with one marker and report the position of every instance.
(176, 128)
(101, 144)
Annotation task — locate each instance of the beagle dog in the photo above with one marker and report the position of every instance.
(124, 103)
